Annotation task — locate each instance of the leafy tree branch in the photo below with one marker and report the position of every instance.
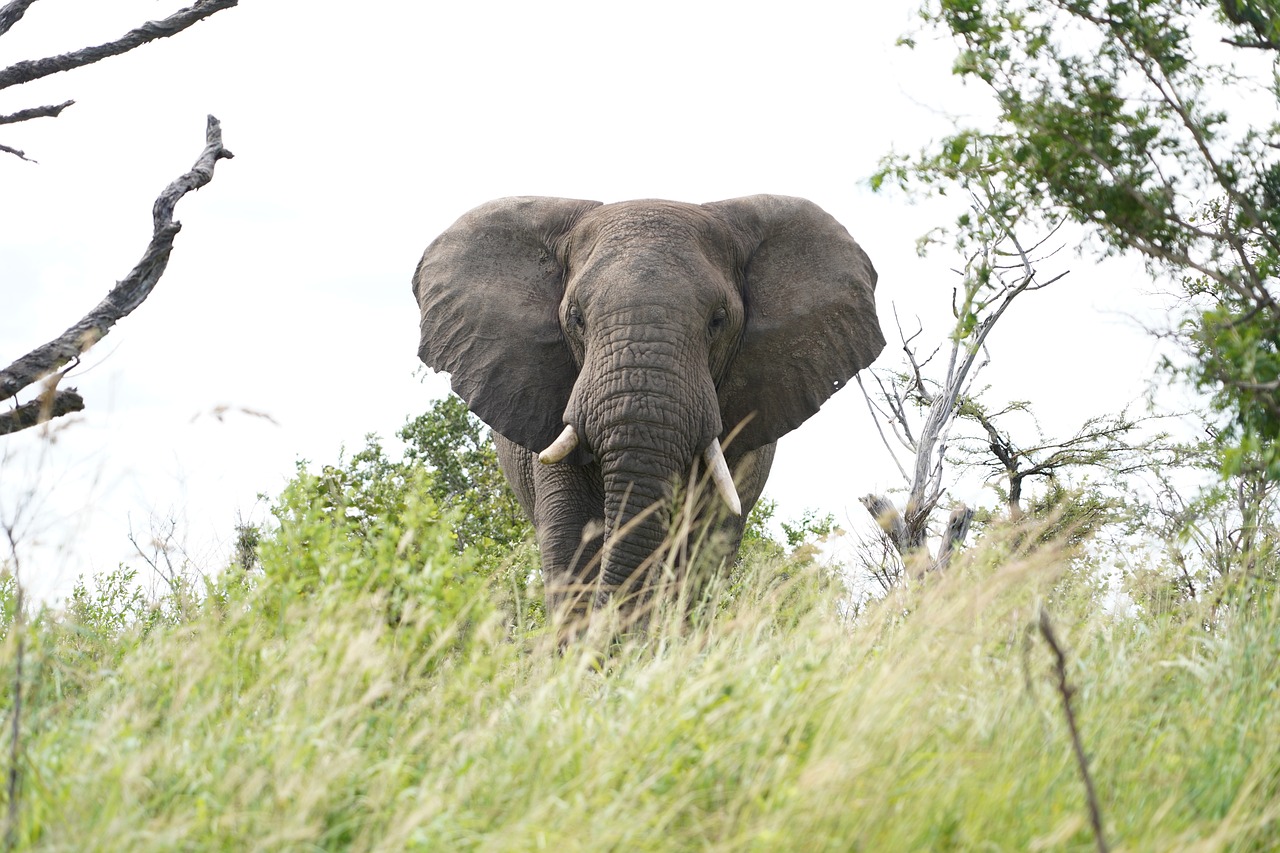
(1108, 117)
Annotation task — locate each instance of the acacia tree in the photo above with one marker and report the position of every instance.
(1107, 443)
(49, 361)
(1108, 116)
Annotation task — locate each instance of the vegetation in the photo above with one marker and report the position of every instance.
(1098, 666)
(396, 706)
(372, 679)
(1109, 116)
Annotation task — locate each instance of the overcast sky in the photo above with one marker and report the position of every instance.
(363, 130)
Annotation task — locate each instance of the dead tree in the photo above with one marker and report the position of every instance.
(47, 362)
(992, 278)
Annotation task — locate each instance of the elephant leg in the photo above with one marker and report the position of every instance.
(566, 505)
(569, 518)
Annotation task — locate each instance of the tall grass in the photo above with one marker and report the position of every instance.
(271, 715)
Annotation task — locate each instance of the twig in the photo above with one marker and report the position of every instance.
(1066, 691)
(16, 152)
(129, 293)
(34, 69)
(875, 419)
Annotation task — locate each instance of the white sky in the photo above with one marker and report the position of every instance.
(363, 130)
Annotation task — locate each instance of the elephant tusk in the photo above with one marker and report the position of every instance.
(719, 469)
(560, 448)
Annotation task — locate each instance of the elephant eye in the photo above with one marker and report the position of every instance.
(575, 317)
(718, 320)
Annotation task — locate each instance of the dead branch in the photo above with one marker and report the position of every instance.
(889, 519)
(50, 111)
(45, 408)
(1066, 691)
(20, 154)
(874, 409)
(991, 286)
(12, 13)
(130, 292)
(34, 69)
(953, 537)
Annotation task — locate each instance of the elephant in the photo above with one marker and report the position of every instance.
(615, 348)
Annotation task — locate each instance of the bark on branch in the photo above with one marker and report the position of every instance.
(11, 13)
(34, 69)
(50, 111)
(129, 293)
(953, 537)
(50, 405)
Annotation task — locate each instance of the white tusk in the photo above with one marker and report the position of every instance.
(560, 448)
(720, 474)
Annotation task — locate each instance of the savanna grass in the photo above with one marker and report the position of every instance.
(355, 716)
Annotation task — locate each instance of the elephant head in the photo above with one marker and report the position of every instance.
(641, 335)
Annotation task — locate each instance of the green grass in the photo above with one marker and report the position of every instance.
(402, 714)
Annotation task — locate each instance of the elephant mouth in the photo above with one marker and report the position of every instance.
(713, 456)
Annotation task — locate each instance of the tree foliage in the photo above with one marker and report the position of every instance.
(456, 449)
(448, 459)
(1120, 117)
(1213, 540)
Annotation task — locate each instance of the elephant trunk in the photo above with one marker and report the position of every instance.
(638, 519)
(646, 441)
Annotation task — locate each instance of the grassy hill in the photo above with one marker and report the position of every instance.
(385, 692)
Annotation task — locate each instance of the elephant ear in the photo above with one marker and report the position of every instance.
(811, 320)
(489, 289)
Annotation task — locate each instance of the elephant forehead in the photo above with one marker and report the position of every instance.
(671, 227)
(647, 283)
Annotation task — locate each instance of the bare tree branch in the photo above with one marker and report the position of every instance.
(34, 69)
(953, 537)
(889, 519)
(51, 111)
(994, 276)
(21, 155)
(876, 420)
(45, 408)
(12, 13)
(129, 293)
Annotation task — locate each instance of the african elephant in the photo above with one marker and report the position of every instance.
(613, 348)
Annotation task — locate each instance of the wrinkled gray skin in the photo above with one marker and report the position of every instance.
(651, 327)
